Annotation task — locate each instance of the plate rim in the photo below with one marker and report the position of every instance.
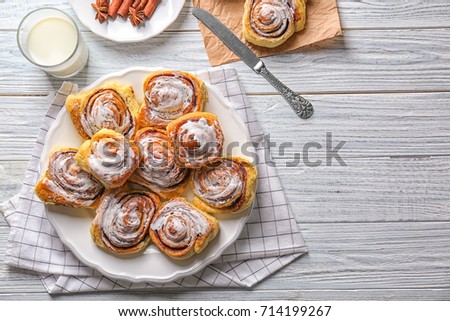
(124, 40)
(125, 275)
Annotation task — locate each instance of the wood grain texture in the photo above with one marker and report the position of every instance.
(376, 125)
(366, 190)
(370, 190)
(391, 14)
(376, 229)
(342, 257)
(359, 61)
(354, 14)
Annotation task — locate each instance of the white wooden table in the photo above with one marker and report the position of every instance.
(378, 228)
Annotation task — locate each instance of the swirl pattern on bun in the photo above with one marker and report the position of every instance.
(180, 230)
(228, 186)
(158, 170)
(170, 94)
(111, 106)
(123, 219)
(196, 139)
(109, 157)
(270, 23)
(65, 183)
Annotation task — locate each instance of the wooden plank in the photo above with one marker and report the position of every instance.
(372, 256)
(359, 61)
(237, 295)
(396, 257)
(390, 14)
(367, 190)
(374, 14)
(370, 125)
(20, 119)
(370, 190)
(11, 177)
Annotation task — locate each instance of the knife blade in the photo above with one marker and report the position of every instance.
(300, 105)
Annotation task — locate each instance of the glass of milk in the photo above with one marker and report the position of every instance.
(50, 39)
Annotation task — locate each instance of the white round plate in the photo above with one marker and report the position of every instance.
(121, 30)
(72, 225)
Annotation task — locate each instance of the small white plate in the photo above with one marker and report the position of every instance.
(72, 225)
(121, 30)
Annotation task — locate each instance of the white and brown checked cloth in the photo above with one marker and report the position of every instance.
(270, 240)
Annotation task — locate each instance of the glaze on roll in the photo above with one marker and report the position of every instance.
(180, 230)
(169, 95)
(158, 170)
(270, 23)
(111, 106)
(123, 219)
(109, 157)
(196, 139)
(227, 186)
(65, 183)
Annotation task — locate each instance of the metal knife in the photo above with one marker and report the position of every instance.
(300, 105)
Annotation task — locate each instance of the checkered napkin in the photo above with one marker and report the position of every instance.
(269, 241)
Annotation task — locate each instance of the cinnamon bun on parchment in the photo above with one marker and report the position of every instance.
(270, 23)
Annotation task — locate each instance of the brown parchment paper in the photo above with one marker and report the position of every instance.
(322, 22)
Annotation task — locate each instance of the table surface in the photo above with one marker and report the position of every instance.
(376, 229)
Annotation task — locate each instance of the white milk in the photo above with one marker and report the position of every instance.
(52, 41)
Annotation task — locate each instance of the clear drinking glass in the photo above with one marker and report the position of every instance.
(51, 40)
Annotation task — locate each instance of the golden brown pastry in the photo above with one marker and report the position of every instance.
(269, 23)
(122, 221)
(109, 157)
(196, 139)
(65, 183)
(158, 171)
(112, 106)
(180, 230)
(226, 187)
(170, 94)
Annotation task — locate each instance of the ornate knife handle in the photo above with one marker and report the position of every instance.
(300, 105)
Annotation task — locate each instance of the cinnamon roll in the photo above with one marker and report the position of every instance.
(65, 183)
(112, 106)
(196, 139)
(169, 95)
(269, 23)
(158, 171)
(180, 230)
(228, 186)
(109, 157)
(122, 221)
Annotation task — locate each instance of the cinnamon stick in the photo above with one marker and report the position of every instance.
(143, 4)
(114, 7)
(139, 4)
(124, 8)
(150, 8)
